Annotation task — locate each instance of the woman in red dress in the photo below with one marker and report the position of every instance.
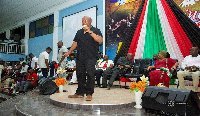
(162, 75)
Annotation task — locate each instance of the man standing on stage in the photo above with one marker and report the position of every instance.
(87, 43)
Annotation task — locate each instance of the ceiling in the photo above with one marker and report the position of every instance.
(14, 11)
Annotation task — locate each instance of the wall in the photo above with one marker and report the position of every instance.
(39, 44)
(11, 57)
(79, 7)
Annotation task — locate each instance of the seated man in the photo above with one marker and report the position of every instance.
(101, 66)
(155, 57)
(31, 80)
(191, 65)
(24, 68)
(7, 80)
(122, 63)
(71, 65)
(71, 70)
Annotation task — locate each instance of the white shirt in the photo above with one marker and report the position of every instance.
(1, 69)
(190, 61)
(22, 61)
(44, 55)
(33, 61)
(71, 64)
(24, 69)
(107, 63)
(60, 53)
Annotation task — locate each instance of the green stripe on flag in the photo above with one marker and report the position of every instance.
(154, 39)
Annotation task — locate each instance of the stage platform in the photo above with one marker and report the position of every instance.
(102, 99)
(117, 101)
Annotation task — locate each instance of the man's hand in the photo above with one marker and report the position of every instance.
(86, 29)
(66, 54)
(148, 68)
(127, 66)
(47, 69)
(194, 67)
(120, 67)
(174, 67)
(190, 68)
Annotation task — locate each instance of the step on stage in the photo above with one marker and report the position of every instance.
(102, 99)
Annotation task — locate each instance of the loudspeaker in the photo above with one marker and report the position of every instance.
(47, 86)
(171, 101)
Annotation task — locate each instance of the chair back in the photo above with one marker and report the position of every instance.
(141, 65)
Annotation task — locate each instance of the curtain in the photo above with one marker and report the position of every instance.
(136, 36)
(154, 40)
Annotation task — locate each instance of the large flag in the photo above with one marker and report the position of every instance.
(160, 25)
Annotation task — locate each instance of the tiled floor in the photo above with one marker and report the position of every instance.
(35, 104)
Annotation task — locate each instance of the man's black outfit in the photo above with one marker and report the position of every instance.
(87, 54)
(115, 71)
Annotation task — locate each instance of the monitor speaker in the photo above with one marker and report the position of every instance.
(171, 101)
(47, 86)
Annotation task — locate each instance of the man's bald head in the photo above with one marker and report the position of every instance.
(60, 44)
(194, 51)
(89, 18)
(195, 48)
(129, 56)
(72, 58)
(106, 57)
(87, 21)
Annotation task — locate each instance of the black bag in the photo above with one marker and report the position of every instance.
(47, 86)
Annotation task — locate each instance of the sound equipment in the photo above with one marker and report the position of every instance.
(47, 86)
(171, 101)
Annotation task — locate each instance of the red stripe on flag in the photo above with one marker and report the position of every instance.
(134, 43)
(179, 34)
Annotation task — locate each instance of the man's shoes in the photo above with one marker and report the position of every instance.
(75, 96)
(71, 83)
(108, 88)
(97, 85)
(102, 86)
(89, 97)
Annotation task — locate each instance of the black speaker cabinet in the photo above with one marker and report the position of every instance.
(47, 86)
(171, 101)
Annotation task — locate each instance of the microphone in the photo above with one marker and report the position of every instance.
(84, 27)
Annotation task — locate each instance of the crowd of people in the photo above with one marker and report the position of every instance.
(19, 76)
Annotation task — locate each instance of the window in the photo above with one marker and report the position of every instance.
(41, 27)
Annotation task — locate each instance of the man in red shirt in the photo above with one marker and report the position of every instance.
(31, 80)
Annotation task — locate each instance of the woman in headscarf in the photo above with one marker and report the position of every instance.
(162, 67)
